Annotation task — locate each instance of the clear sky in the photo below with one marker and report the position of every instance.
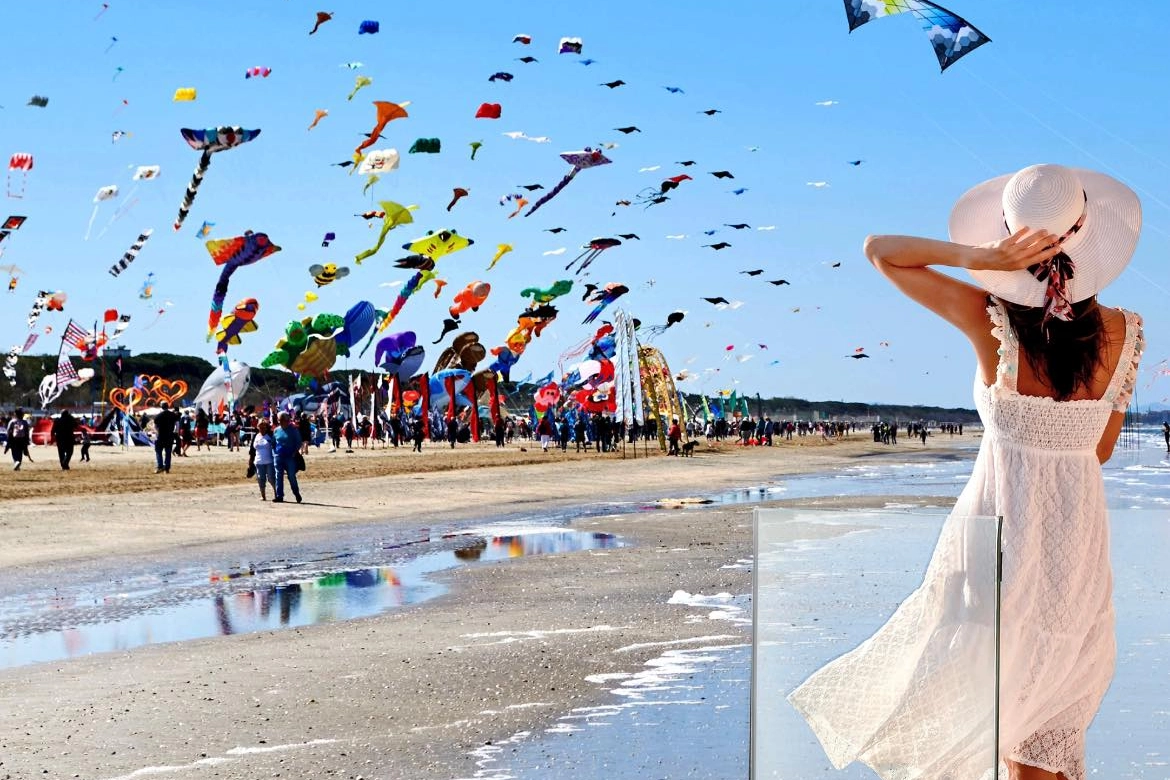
(1074, 83)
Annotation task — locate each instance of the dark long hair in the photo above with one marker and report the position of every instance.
(1063, 355)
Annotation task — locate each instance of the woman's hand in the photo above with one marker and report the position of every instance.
(1022, 249)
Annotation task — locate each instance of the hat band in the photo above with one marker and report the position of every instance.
(1057, 271)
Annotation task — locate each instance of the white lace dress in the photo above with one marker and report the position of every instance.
(915, 699)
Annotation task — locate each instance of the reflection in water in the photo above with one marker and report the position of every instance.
(34, 631)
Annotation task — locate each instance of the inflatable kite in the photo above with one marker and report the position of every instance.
(131, 253)
(232, 254)
(586, 158)
(241, 320)
(387, 112)
(951, 36)
(378, 161)
(358, 83)
(399, 354)
(470, 298)
(322, 17)
(559, 288)
(208, 142)
(426, 146)
(392, 215)
(501, 250)
(309, 346)
(604, 297)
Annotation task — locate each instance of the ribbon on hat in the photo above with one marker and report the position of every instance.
(1057, 271)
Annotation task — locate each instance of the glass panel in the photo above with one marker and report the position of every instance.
(915, 700)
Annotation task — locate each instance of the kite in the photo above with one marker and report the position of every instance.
(118, 135)
(820, 185)
(522, 38)
(855, 163)
(146, 291)
(586, 158)
(146, 172)
(470, 298)
(592, 250)
(233, 254)
(22, 162)
(674, 90)
(327, 274)
(627, 130)
(131, 253)
(555, 230)
(587, 61)
(528, 60)
(448, 326)
(457, 193)
(257, 72)
(488, 111)
(39, 101)
(717, 246)
(674, 318)
(330, 236)
(613, 84)
(711, 112)
(826, 102)
(322, 17)
(425, 146)
(184, 95)
(309, 347)
(109, 192)
(392, 215)
(436, 245)
(718, 300)
(318, 115)
(426, 251)
(399, 354)
(204, 230)
(475, 145)
(753, 272)
(629, 236)
(56, 302)
(501, 250)
(722, 174)
(358, 83)
(739, 191)
(208, 142)
(14, 273)
(368, 28)
(241, 320)
(951, 36)
(558, 288)
(859, 355)
(516, 198)
(570, 46)
(378, 161)
(352, 65)
(387, 113)
(604, 297)
(778, 282)
(738, 226)
(500, 76)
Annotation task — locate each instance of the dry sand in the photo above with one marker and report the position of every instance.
(408, 693)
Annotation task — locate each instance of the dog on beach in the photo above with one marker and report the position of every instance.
(688, 449)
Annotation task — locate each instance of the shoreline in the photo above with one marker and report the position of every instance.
(410, 692)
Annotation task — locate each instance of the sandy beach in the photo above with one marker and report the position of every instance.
(408, 693)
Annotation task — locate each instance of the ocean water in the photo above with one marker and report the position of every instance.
(696, 722)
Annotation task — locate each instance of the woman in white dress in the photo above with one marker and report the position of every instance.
(1055, 375)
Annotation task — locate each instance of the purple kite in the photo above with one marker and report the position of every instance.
(586, 158)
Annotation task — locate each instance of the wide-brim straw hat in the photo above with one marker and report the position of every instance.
(1052, 198)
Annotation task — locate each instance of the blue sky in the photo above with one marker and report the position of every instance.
(1080, 87)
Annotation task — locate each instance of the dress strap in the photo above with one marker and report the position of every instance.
(1120, 391)
(1009, 348)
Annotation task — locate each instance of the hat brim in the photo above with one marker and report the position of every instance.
(1100, 250)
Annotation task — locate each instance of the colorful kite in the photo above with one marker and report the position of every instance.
(318, 115)
(368, 28)
(456, 194)
(184, 95)
(538, 295)
(501, 250)
(109, 192)
(146, 291)
(425, 146)
(378, 161)
(488, 111)
(241, 320)
(322, 17)
(204, 230)
(23, 163)
(470, 298)
(604, 297)
(399, 354)
(586, 158)
(208, 142)
(232, 254)
(475, 145)
(951, 36)
(570, 46)
(131, 253)
(392, 215)
(592, 250)
(257, 72)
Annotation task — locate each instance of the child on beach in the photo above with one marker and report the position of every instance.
(1056, 372)
(85, 442)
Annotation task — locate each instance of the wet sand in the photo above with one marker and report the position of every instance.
(406, 694)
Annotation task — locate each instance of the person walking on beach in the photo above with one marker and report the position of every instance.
(19, 432)
(263, 452)
(164, 438)
(287, 447)
(85, 442)
(64, 428)
(674, 436)
(1056, 372)
(544, 430)
(1166, 434)
(418, 434)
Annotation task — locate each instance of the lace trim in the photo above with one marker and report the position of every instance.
(1005, 372)
(1121, 388)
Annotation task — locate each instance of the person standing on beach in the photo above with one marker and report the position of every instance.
(85, 442)
(164, 438)
(674, 436)
(64, 428)
(264, 457)
(922, 434)
(1166, 434)
(287, 447)
(1056, 372)
(19, 432)
(418, 434)
(544, 430)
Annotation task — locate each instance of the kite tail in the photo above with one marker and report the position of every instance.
(553, 192)
(193, 187)
(386, 226)
(594, 314)
(92, 217)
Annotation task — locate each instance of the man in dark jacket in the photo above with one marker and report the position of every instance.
(164, 438)
(63, 429)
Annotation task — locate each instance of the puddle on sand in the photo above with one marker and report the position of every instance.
(255, 598)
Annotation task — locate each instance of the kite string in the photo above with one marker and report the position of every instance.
(1106, 166)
